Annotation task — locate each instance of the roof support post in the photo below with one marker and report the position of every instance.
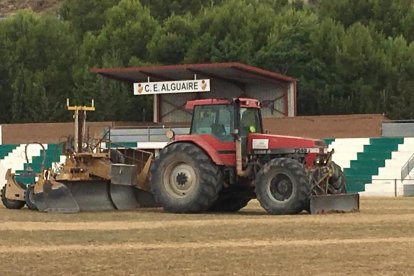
(156, 108)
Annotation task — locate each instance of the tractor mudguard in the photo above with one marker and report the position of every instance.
(202, 144)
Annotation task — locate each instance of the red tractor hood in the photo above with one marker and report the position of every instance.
(259, 141)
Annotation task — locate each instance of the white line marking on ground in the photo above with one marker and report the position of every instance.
(245, 243)
(132, 225)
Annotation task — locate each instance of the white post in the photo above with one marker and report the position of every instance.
(155, 108)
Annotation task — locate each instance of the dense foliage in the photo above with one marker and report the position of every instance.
(349, 56)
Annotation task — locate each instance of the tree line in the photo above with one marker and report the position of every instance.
(349, 56)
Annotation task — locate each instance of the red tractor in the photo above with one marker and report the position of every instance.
(227, 160)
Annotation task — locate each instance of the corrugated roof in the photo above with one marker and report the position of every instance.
(230, 71)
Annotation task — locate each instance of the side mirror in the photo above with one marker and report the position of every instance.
(236, 133)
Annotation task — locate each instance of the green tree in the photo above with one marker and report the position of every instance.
(127, 30)
(41, 53)
(233, 31)
(360, 64)
(398, 89)
(30, 102)
(86, 16)
(162, 9)
(322, 86)
(288, 50)
(171, 42)
(391, 17)
(6, 57)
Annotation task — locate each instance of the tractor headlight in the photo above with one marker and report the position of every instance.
(170, 134)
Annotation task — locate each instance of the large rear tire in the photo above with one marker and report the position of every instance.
(184, 179)
(229, 203)
(282, 187)
(9, 203)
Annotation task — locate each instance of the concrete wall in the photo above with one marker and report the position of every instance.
(52, 133)
(396, 129)
(343, 126)
(335, 126)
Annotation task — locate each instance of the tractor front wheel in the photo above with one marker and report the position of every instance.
(184, 179)
(282, 187)
(9, 203)
(29, 197)
(337, 183)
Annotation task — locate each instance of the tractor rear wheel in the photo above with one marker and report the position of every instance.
(29, 197)
(229, 203)
(337, 183)
(184, 179)
(9, 203)
(282, 187)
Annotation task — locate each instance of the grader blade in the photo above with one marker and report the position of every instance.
(56, 197)
(145, 199)
(122, 189)
(334, 203)
(39, 200)
(124, 192)
(77, 196)
(91, 195)
(123, 197)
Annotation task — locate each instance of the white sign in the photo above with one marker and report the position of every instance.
(167, 87)
(260, 144)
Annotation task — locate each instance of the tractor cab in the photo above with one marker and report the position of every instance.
(223, 118)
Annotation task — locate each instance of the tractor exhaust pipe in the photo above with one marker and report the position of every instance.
(239, 158)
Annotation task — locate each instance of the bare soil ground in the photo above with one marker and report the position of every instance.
(8, 7)
(377, 240)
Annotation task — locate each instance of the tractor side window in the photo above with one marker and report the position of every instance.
(216, 120)
(249, 121)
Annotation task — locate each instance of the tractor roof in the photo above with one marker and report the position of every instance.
(244, 102)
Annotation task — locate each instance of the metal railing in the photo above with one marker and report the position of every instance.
(394, 185)
(407, 168)
(144, 134)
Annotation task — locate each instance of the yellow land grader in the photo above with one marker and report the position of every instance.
(91, 178)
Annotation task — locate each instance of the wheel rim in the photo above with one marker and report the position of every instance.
(180, 179)
(280, 187)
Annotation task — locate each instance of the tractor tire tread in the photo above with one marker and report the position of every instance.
(301, 199)
(27, 197)
(210, 179)
(10, 204)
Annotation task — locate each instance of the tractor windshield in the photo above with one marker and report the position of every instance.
(250, 121)
(216, 120)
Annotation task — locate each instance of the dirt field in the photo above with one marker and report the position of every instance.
(378, 240)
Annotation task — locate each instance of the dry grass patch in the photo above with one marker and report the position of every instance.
(377, 240)
(359, 258)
